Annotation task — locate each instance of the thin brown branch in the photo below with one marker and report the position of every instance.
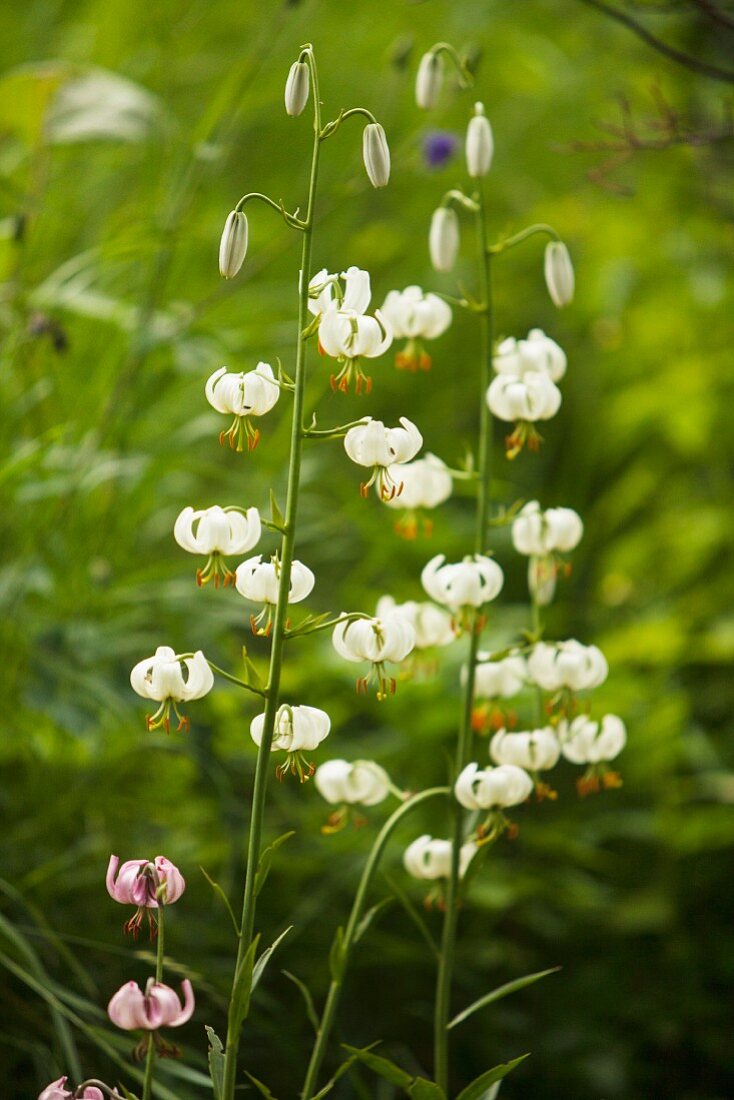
(715, 13)
(695, 64)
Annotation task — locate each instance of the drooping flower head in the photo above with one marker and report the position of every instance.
(426, 483)
(415, 317)
(259, 581)
(535, 751)
(297, 729)
(159, 1006)
(146, 884)
(385, 450)
(243, 395)
(346, 333)
(378, 640)
(430, 859)
(524, 388)
(543, 536)
(463, 586)
(161, 679)
(214, 533)
(57, 1090)
(565, 668)
(359, 782)
(495, 680)
(433, 626)
(594, 743)
(493, 790)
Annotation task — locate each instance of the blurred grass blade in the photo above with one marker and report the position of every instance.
(499, 992)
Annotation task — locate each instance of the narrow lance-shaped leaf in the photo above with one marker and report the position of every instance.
(307, 999)
(264, 959)
(261, 1088)
(477, 1089)
(421, 1089)
(266, 860)
(221, 894)
(216, 1062)
(499, 992)
(368, 918)
(242, 987)
(383, 1067)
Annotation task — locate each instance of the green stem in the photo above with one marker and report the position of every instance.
(523, 235)
(234, 679)
(262, 767)
(370, 867)
(151, 1054)
(464, 743)
(537, 629)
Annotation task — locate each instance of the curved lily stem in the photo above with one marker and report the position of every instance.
(235, 680)
(465, 77)
(291, 219)
(523, 235)
(352, 617)
(463, 748)
(279, 626)
(347, 941)
(331, 127)
(151, 1053)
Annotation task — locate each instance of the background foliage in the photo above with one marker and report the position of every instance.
(127, 130)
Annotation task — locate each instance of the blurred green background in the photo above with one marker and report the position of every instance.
(127, 131)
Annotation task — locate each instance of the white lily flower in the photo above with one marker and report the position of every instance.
(430, 859)
(534, 750)
(376, 155)
(559, 276)
(428, 81)
(538, 532)
(472, 582)
(360, 782)
(259, 582)
(297, 88)
(498, 679)
(345, 332)
(443, 238)
(537, 352)
(492, 788)
(297, 729)
(568, 665)
(243, 395)
(161, 679)
(373, 445)
(584, 741)
(433, 627)
(233, 244)
(215, 532)
(479, 143)
(426, 483)
(378, 640)
(415, 316)
(523, 401)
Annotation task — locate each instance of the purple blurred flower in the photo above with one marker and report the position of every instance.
(439, 146)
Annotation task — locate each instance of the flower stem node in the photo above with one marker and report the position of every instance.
(376, 155)
(371, 444)
(243, 395)
(297, 88)
(161, 678)
(233, 244)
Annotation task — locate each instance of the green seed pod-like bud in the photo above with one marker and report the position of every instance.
(559, 276)
(376, 154)
(443, 239)
(479, 144)
(296, 88)
(233, 245)
(429, 80)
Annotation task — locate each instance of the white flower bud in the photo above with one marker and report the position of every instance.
(429, 80)
(559, 276)
(479, 143)
(296, 88)
(443, 238)
(376, 154)
(233, 245)
(427, 858)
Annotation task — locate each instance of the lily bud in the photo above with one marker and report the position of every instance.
(443, 238)
(479, 143)
(376, 155)
(233, 245)
(559, 276)
(429, 80)
(296, 88)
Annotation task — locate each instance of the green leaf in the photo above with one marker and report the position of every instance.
(216, 1062)
(477, 1089)
(501, 991)
(252, 676)
(264, 959)
(275, 513)
(383, 1067)
(307, 999)
(261, 1088)
(369, 916)
(266, 860)
(414, 915)
(336, 955)
(242, 987)
(421, 1089)
(220, 892)
(126, 1093)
